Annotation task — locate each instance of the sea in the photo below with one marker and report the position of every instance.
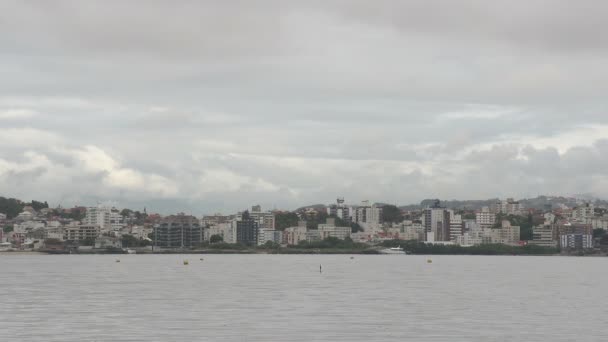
(302, 298)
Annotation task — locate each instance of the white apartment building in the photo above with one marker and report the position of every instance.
(576, 241)
(368, 216)
(456, 225)
(583, 213)
(507, 234)
(226, 230)
(293, 235)
(508, 207)
(265, 219)
(81, 232)
(265, 235)
(485, 218)
(108, 219)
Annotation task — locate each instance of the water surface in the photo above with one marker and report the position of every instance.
(286, 298)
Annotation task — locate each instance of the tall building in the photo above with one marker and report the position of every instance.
(264, 219)
(178, 231)
(340, 210)
(108, 219)
(456, 225)
(265, 235)
(368, 216)
(437, 223)
(247, 229)
(584, 213)
(485, 218)
(293, 235)
(508, 207)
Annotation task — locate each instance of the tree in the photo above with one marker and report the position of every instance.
(216, 238)
(271, 245)
(391, 213)
(285, 220)
(10, 206)
(8, 228)
(129, 241)
(39, 205)
(599, 233)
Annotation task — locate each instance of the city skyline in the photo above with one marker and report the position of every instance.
(288, 104)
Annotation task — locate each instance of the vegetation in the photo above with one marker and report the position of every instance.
(285, 220)
(38, 205)
(416, 247)
(526, 223)
(391, 213)
(11, 207)
(216, 238)
(129, 241)
(599, 233)
(8, 228)
(331, 242)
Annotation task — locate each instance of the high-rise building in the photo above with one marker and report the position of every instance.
(178, 231)
(456, 225)
(485, 218)
(437, 223)
(264, 219)
(543, 236)
(108, 219)
(247, 229)
(508, 207)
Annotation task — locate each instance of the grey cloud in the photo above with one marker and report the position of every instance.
(215, 105)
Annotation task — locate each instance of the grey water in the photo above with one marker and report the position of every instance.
(286, 298)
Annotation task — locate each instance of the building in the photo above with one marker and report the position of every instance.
(485, 218)
(508, 207)
(329, 229)
(506, 234)
(212, 220)
(437, 223)
(293, 235)
(576, 241)
(583, 213)
(543, 236)
(264, 219)
(247, 229)
(368, 216)
(456, 225)
(108, 219)
(265, 235)
(178, 231)
(103, 242)
(81, 232)
(340, 210)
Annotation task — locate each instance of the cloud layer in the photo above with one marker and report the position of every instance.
(214, 105)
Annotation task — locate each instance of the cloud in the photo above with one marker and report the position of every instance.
(214, 105)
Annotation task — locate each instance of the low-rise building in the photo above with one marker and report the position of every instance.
(265, 235)
(81, 232)
(543, 236)
(329, 229)
(293, 235)
(576, 241)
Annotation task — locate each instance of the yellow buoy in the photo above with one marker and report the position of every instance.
(185, 262)
(429, 261)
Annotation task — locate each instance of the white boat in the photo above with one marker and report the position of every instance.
(131, 251)
(393, 250)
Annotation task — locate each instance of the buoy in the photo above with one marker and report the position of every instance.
(429, 261)
(117, 260)
(202, 259)
(320, 268)
(351, 258)
(185, 262)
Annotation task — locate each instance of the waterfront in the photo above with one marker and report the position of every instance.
(285, 298)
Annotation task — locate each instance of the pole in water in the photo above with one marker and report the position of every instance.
(320, 268)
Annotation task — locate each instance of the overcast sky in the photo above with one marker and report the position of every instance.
(213, 106)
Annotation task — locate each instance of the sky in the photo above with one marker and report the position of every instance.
(214, 106)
